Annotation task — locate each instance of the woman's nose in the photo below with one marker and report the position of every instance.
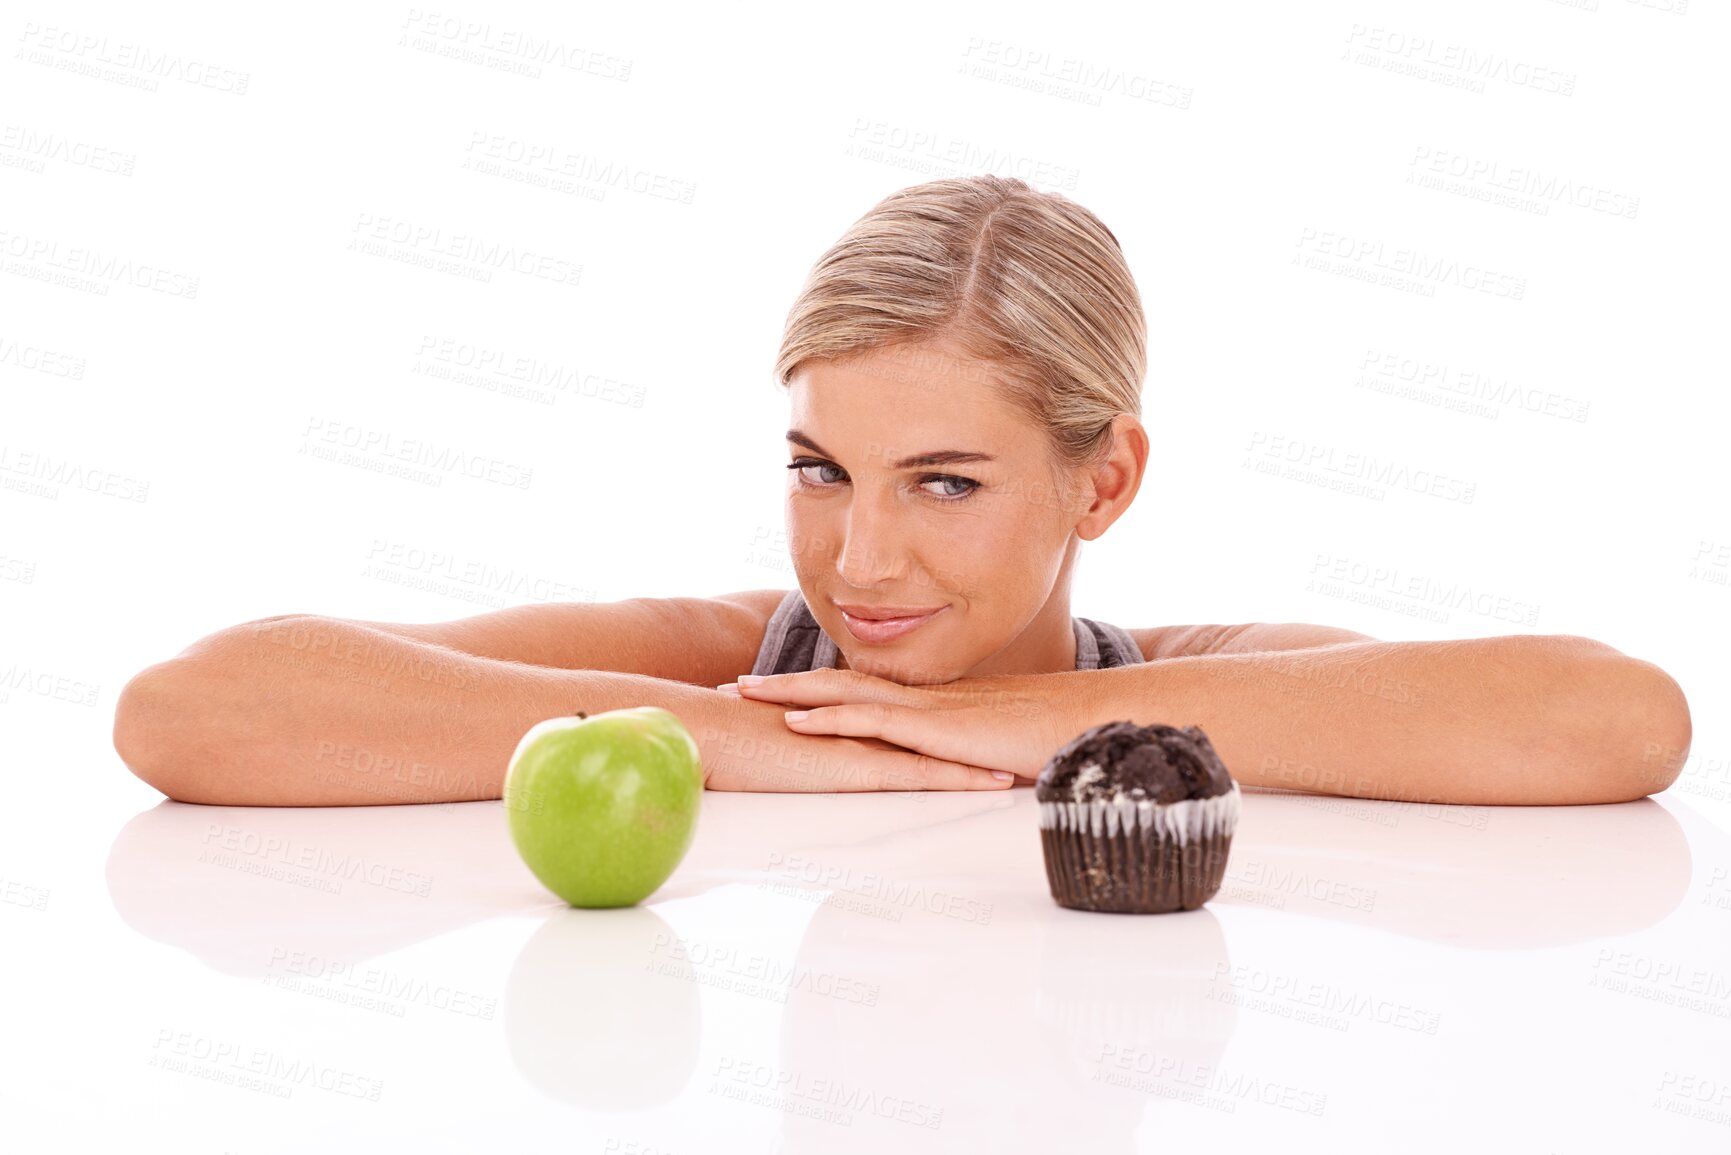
(869, 554)
(863, 565)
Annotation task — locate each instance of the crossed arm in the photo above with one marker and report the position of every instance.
(1525, 719)
(1540, 720)
(1521, 719)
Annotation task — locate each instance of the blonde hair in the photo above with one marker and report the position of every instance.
(1028, 282)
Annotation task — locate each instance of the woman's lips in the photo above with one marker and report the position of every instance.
(886, 629)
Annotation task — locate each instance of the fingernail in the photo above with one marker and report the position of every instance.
(729, 688)
(1002, 774)
(796, 715)
(750, 679)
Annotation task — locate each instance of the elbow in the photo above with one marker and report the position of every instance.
(145, 724)
(1665, 734)
(1642, 732)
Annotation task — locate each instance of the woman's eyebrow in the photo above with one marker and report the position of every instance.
(940, 457)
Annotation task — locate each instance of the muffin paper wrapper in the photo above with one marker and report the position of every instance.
(1135, 855)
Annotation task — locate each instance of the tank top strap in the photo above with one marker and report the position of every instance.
(1102, 645)
(793, 640)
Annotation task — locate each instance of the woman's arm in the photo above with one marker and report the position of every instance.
(308, 711)
(1526, 719)
(1523, 719)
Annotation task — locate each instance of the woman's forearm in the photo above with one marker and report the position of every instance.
(306, 711)
(1524, 719)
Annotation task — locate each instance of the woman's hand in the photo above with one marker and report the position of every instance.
(1006, 722)
(746, 745)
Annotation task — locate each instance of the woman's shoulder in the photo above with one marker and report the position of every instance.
(750, 614)
(1186, 641)
(1189, 641)
(760, 609)
(762, 603)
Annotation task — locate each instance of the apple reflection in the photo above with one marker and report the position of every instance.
(602, 1010)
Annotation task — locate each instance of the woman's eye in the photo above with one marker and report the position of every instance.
(802, 467)
(969, 485)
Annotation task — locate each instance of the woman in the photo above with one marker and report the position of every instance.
(964, 368)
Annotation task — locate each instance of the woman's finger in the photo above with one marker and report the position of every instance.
(821, 687)
(935, 733)
(862, 764)
(912, 729)
(748, 748)
(917, 771)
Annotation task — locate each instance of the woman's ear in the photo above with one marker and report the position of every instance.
(1117, 478)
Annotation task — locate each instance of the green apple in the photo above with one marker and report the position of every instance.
(602, 807)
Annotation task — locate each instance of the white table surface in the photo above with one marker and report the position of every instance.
(868, 972)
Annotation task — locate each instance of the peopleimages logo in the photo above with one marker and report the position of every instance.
(871, 884)
(317, 859)
(326, 976)
(776, 976)
(1422, 588)
(480, 41)
(827, 1098)
(1357, 467)
(34, 149)
(40, 255)
(1372, 255)
(93, 55)
(227, 1060)
(1465, 383)
(47, 474)
(1421, 55)
(1544, 189)
(1343, 1004)
(445, 251)
(39, 360)
(385, 445)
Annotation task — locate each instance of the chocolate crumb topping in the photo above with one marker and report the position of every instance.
(1158, 762)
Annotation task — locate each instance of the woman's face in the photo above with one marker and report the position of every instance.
(916, 488)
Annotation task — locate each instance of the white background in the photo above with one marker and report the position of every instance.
(158, 479)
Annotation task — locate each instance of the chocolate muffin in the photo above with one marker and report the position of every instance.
(1136, 819)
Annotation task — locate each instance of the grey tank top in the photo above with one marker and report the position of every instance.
(794, 642)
